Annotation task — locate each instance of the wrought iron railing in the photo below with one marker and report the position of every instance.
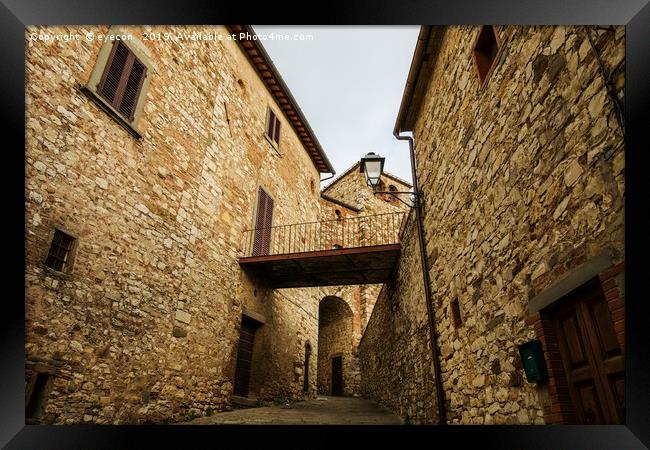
(350, 232)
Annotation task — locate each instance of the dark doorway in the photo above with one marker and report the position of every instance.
(263, 222)
(37, 396)
(337, 375)
(245, 356)
(305, 386)
(591, 355)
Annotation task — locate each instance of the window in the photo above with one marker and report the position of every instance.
(485, 52)
(273, 127)
(455, 313)
(58, 257)
(263, 223)
(122, 80)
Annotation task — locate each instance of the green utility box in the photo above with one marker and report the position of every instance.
(532, 359)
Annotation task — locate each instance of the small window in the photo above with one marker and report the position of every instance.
(273, 127)
(485, 52)
(455, 313)
(338, 213)
(122, 80)
(59, 255)
(391, 198)
(37, 392)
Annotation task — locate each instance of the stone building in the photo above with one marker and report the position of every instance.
(348, 200)
(154, 162)
(518, 133)
(146, 161)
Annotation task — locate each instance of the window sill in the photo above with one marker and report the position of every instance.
(58, 274)
(110, 111)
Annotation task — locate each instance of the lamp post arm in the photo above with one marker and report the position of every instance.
(416, 197)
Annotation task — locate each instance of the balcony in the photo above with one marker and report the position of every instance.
(356, 250)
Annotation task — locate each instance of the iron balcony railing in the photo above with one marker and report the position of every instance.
(351, 232)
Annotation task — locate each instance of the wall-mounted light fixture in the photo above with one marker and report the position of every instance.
(372, 166)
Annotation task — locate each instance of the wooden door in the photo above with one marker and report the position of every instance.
(263, 221)
(592, 358)
(337, 375)
(244, 358)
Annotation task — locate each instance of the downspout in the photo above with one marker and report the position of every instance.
(442, 410)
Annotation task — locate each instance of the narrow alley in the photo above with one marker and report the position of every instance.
(321, 411)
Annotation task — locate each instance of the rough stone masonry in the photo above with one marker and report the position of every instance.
(143, 323)
(523, 183)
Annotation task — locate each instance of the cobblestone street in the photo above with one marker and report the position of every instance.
(322, 411)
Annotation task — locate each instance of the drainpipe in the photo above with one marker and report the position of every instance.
(442, 411)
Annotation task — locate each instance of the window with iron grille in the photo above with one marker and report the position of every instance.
(122, 80)
(58, 257)
(273, 127)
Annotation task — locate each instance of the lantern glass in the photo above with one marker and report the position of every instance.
(372, 166)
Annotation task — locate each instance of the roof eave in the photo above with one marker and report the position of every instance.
(322, 163)
(420, 72)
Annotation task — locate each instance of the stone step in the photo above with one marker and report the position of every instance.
(243, 402)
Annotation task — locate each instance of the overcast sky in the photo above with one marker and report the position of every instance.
(348, 81)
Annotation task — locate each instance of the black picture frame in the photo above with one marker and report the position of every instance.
(635, 14)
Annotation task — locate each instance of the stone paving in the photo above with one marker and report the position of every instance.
(321, 411)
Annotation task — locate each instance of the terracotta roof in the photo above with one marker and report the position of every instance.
(262, 63)
(356, 166)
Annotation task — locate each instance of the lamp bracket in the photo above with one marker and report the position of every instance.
(415, 197)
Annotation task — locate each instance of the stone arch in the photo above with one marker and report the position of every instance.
(335, 339)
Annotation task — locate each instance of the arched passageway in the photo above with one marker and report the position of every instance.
(335, 347)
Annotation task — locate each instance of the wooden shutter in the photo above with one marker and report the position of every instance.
(122, 80)
(132, 89)
(113, 71)
(271, 124)
(263, 223)
(276, 136)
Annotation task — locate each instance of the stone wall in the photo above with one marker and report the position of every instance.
(145, 325)
(394, 352)
(523, 180)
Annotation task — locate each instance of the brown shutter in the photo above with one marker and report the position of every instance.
(263, 223)
(122, 80)
(271, 124)
(132, 89)
(113, 72)
(276, 137)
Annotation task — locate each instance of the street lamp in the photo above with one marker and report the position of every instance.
(372, 166)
